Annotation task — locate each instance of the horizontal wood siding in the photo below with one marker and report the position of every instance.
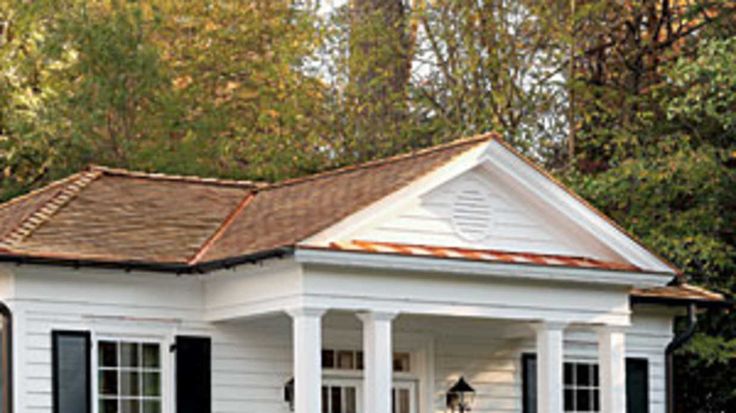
(252, 360)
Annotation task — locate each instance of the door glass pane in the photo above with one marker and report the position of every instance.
(350, 400)
(404, 401)
(337, 400)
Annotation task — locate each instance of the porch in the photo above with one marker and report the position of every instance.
(355, 362)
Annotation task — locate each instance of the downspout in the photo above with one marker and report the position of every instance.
(6, 344)
(676, 343)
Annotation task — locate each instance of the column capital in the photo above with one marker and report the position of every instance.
(549, 326)
(315, 312)
(366, 316)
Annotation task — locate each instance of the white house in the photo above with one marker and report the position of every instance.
(368, 289)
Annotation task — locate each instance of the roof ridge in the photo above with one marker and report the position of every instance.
(30, 194)
(49, 208)
(382, 161)
(176, 178)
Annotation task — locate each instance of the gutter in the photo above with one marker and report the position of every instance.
(172, 267)
(6, 374)
(676, 343)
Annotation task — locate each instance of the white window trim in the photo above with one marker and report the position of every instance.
(167, 364)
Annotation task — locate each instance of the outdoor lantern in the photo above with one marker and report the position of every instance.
(289, 393)
(460, 397)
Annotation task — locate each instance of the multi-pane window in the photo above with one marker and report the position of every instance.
(581, 387)
(353, 360)
(129, 377)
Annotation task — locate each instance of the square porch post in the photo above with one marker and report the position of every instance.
(307, 331)
(550, 367)
(612, 368)
(378, 361)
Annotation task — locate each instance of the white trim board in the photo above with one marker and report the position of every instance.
(485, 269)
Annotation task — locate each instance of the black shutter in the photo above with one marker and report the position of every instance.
(71, 380)
(637, 385)
(193, 375)
(529, 383)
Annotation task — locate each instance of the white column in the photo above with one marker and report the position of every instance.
(549, 367)
(307, 331)
(612, 367)
(377, 362)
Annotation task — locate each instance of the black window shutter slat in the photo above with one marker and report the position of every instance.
(529, 383)
(193, 374)
(637, 385)
(71, 372)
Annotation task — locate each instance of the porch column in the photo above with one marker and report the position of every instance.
(377, 362)
(549, 367)
(307, 332)
(612, 368)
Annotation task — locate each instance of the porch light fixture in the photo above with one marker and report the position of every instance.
(460, 396)
(289, 393)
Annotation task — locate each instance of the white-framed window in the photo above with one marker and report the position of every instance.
(342, 383)
(129, 376)
(352, 360)
(581, 387)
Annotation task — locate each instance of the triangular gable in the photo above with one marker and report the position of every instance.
(492, 198)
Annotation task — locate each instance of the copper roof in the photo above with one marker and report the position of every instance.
(677, 293)
(506, 257)
(118, 217)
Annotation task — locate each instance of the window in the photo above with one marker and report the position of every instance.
(581, 387)
(129, 377)
(353, 360)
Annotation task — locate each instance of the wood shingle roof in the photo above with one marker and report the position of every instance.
(127, 219)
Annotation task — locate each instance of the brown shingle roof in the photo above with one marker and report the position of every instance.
(123, 218)
(288, 212)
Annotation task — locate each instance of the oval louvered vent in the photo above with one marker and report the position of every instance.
(472, 214)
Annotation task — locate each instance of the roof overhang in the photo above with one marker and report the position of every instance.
(461, 266)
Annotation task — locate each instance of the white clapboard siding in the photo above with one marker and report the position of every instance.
(253, 359)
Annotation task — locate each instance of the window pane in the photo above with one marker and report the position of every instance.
(345, 360)
(151, 384)
(401, 362)
(359, 361)
(108, 406)
(108, 382)
(328, 359)
(595, 375)
(130, 406)
(151, 357)
(583, 401)
(108, 354)
(151, 406)
(130, 383)
(568, 375)
(129, 354)
(583, 375)
(569, 400)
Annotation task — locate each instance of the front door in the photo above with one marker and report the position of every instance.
(343, 395)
